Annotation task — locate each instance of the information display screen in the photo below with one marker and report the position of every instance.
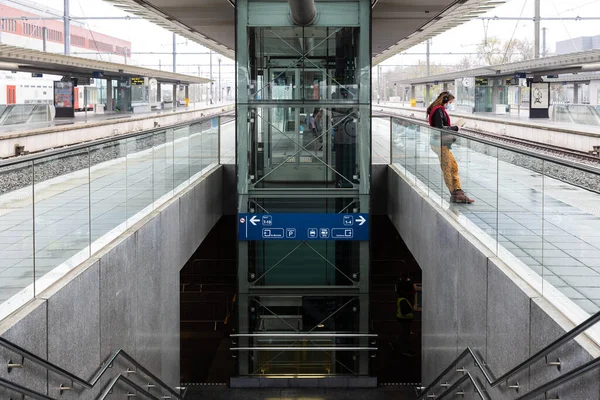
(137, 81)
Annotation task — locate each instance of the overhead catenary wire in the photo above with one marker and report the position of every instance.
(513, 34)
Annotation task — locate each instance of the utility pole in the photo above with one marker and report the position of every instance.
(536, 23)
(67, 23)
(44, 39)
(428, 72)
(544, 41)
(378, 83)
(428, 53)
(174, 71)
(174, 53)
(211, 80)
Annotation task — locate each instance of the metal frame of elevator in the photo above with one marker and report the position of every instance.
(253, 193)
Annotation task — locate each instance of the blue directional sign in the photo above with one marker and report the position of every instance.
(303, 227)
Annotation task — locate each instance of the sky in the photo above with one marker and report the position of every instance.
(146, 37)
(464, 39)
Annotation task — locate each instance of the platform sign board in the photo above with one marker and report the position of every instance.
(299, 226)
(138, 81)
(64, 92)
(539, 100)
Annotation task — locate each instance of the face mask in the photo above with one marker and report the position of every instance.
(447, 106)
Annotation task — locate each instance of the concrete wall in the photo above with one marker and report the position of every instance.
(471, 298)
(58, 136)
(127, 296)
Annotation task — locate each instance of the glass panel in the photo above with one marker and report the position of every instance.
(304, 145)
(438, 154)
(480, 183)
(108, 180)
(213, 134)
(294, 263)
(163, 164)
(181, 154)
(62, 213)
(303, 314)
(227, 140)
(16, 235)
(381, 130)
(304, 63)
(139, 176)
(520, 212)
(196, 147)
(571, 251)
(207, 139)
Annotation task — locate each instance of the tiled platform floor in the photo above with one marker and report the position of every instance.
(551, 226)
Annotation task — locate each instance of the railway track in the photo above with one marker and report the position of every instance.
(556, 151)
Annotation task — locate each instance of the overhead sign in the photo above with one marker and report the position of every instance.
(138, 81)
(98, 74)
(481, 82)
(299, 226)
(36, 75)
(520, 75)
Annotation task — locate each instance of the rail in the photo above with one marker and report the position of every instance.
(72, 148)
(500, 145)
(141, 170)
(74, 379)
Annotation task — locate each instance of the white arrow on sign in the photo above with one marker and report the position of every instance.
(361, 220)
(254, 220)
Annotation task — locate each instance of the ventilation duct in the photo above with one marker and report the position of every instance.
(302, 12)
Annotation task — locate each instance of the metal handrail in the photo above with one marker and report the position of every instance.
(94, 380)
(307, 334)
(23, 390)
(533, 154)
(493, 382)
(465, 377)
(94, 143)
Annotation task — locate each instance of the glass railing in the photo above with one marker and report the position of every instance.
(17, 114)
(57, 208)
(539, 214)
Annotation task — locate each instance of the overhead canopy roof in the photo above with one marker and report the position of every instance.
(567, 63)
(18, 58)
(397, 24)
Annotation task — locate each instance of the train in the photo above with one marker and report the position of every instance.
(20, 89)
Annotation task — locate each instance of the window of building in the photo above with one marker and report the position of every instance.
(78, 41)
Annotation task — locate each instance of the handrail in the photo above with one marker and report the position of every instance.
(73, 378)
(23, 390)
(307, 334)
(540, 156)
(303, 348)
(595, 363)
(455, 385)
(93, 143)
(493, 382)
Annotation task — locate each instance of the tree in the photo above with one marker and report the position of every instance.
(493, 51)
